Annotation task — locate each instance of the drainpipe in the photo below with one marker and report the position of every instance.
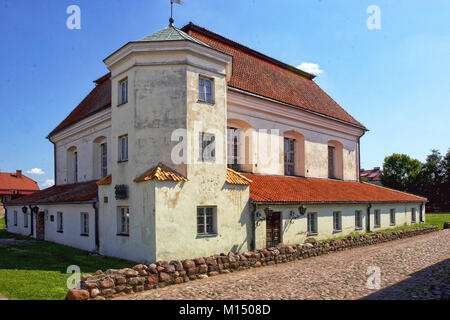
(421, 213)
(368, 217)
(253, 235)
(32, 222)
(96, 220)
(6, 217)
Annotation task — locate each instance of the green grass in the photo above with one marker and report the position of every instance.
(37, 270)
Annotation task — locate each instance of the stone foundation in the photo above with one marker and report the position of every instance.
(112, 283)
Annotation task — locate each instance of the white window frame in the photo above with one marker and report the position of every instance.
(337, 221)
(206, 221)
(84, 223)
(392, 217)
(123, 91)
(15, 218)
(312, 227)
(60, 222)
(75, 166)
(377, 218)
(203, 89)
(207, 147)
(233, 148)
(123, 148)
(103, 159)
(289, 166)
(413, 215)
(358, 220)
(331, 162)
(123, 221)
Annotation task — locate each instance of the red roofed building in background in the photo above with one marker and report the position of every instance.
(13, 186)
(193, 144)
(373, 176)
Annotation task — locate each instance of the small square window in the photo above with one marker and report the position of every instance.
(25, 220)
(413, 215)
(123, 91)
(15, 218)
(392, 217)
(59, 222)
(205, 89)
(206, 221)
(123, 148)
(337, 222)
(312, 223)
(377, 219)
(84, 223)
(123, 221)
(358, 220)
(207, 147)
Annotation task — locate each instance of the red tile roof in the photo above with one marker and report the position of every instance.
(280, 189)
(10, 181)
(234, 177)
(259, 74)
(161, 173)
(372, 175)
(98, 99)
(77, 192)
(105, 180)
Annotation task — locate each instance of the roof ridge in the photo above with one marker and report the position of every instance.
(395, 190)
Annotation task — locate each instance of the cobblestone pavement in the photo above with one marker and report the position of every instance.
(413, 268)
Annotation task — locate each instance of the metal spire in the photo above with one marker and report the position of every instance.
(171, 20)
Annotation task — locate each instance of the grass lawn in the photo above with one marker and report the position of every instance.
(37, 269)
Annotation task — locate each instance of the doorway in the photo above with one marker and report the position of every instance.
(40, 226)
(273, 226)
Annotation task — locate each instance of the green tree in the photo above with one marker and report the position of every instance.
(401, 172)
(445, 188)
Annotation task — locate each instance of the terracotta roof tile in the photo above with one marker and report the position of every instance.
(274, 189)
(262, 75)
(234, 177)
(98, 99)
(105, 180)
(161, 173)
(10, 181)
(83, 191)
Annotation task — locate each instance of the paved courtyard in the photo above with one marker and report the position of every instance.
(413, 268)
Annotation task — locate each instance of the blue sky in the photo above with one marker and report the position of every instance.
(394, 80)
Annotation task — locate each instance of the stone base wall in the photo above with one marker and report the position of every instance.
(141, 277)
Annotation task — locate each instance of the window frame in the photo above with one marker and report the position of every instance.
(289, 167)
(84, 223)
(123, 229)
(121, 139)
(233, 148)
(203, 146)
(59, 222)
(15, 218)
(103, 159)
(392, 213)
(309, 226)
(121, 97)
(358, 222)
(209, 228)
(337, 223)
(75, 166)
(25, 220)
(377, 218)
(331, 163)
(203, 89)
(413, 215)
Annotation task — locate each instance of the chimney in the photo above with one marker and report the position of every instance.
(19, 173)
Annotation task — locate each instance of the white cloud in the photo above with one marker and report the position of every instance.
(48, 183)
(310, 68)
(37, 171)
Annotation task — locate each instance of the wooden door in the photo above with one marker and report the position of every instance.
(273, 226)
(40, 226)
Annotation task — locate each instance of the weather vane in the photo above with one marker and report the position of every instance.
(171, 10)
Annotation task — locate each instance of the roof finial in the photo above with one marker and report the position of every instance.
(171, 20)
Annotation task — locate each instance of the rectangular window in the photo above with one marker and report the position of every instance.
(205, 87)
(233, 148)
(123, 148)
(15, 218)
(123, 220)
(377, 218)
(392, 217)
(59, 222)
(312, 223)
(84, 223)
(25, 220)
(413, 215)
(331, 152)
(75, 167)
(103, 160)
(289, 157)
(123, 91)
(206, 221)
(207, 147)
(337, 221)
(358, 220)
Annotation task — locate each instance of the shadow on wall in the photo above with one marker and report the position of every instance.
(431, 283)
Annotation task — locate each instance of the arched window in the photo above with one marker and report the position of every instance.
(100, 158)
(239, 144)
(72, 165)
(294, 153)
(335, 160)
